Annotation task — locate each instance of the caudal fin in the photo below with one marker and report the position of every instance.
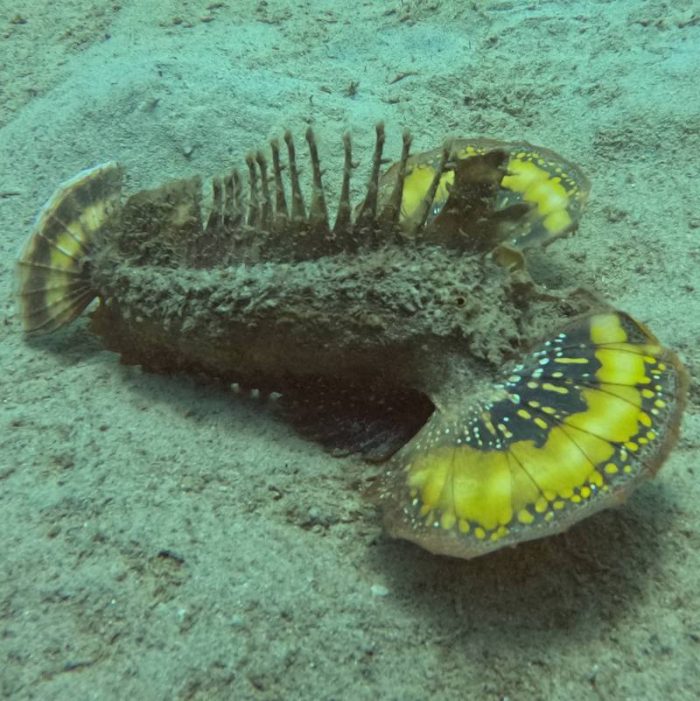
(53, 277)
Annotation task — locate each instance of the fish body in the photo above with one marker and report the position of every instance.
(413, 313)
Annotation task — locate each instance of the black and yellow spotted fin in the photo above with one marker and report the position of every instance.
(522, 195)
(53, 280)
(571, 430)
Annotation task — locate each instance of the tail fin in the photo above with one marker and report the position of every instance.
(53, 279)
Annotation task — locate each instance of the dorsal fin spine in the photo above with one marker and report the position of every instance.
(215, 218)
(391, 213)
(266, 218)
(298, 209)
(318, 214)
(368, 212)
(231, 210)
(343, 220)
(253, 200)
(427, 202)
(281, 211)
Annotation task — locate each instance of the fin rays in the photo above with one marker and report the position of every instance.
(550, 444)
(52, 271)
(299, 232)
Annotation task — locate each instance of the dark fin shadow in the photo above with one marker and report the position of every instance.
(370, 420)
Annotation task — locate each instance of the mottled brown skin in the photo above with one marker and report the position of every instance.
(258, 290)
(388, 313)
(272, 297)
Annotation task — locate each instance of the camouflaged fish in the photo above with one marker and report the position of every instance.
(409, 331)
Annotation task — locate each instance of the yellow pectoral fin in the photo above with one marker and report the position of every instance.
(569, 430)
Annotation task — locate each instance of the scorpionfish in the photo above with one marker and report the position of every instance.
(408, 331)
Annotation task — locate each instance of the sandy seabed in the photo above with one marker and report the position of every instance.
(162, 540)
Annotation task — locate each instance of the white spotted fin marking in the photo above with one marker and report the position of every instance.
(571, 430)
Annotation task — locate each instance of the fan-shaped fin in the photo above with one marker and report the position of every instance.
(53, 277)
(570, 430)
(536, 197)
